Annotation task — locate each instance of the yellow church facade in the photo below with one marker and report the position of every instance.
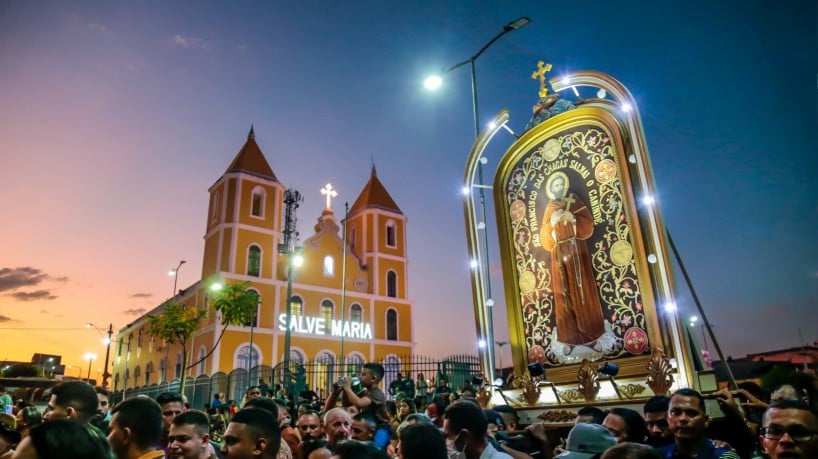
(349, 302)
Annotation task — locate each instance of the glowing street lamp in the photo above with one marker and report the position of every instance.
(90, 358)
(432, 83)
(175, 273)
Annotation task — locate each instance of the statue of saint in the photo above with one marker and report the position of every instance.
(566, 224)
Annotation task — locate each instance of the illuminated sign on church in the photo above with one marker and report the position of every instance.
(318, 326)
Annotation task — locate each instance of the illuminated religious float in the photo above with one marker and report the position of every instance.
(586, 268)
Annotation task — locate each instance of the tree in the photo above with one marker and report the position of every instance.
(176, 324)
(237, 307)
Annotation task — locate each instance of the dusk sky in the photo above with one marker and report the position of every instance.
(115, 118)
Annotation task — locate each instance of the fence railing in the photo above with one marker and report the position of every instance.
(319, 375)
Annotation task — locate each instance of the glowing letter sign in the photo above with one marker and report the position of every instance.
(318, 326)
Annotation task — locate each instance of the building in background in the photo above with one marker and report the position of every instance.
(371, 313)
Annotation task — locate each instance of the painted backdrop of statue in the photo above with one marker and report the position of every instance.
(566, 225)
(579, 292)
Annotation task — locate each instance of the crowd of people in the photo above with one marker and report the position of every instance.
(357, 420)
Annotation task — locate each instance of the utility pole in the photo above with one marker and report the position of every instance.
(105, 373)
(292, 198)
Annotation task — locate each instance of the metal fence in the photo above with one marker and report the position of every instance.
(318, 375)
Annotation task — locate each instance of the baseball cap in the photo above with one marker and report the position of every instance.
(585, 440)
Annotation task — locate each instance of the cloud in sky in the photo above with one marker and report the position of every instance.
(97, 27)
(190, 42)
(135, 311)
(140, 295)
(242, 48)
(14, 278)
(33, 296)
(5, 319)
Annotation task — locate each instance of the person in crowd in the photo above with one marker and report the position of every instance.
(358, 450)
(102, 417)
(337, 426)
(135, 428)
(371, 400)
(364, 426)
(252, 434)
(9, 436)
(590, 414)
(732, 430)
(189, 436)
(687, 420)
(422, 387)
(308, 395)
(5, 400)
(630, 451)
(443, 387)
(392, 414)
(232, 407)
(309, 426)
(406, 406)
(288, 433)
(272, 406)
(408, 386)
(655, 410)
(63, 438)
(587, 440)
(75, 400)
(626, 425)
(251, 393)
(28, 416)
(218, 422)
(789, 391)
(789, 429)
(172, 405)
(465, 427)
(422, 441)
(396, 388)
(216, 401)
(315, 449)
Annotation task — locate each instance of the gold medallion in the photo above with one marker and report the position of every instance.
(551, 149)
(527, 282)
(621, 253)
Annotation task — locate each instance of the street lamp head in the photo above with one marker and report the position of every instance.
(298, 260)
(216, 287)
(433, 82)
(517, 23)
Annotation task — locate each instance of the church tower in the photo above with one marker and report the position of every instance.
(376, 231)
(244, 217)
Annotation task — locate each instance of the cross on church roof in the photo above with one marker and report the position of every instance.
(330, 193)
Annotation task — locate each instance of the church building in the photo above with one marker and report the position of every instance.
(339, 319)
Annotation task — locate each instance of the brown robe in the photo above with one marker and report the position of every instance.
(576, 300)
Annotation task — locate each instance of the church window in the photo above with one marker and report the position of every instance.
(353, 235)
(356, 313)
(392, 325)
(329, 266)
(254, 321)
(391, 284)
(215, 210)
(254, 261)
(296, 306)
(257, 207)
(178, 369)
(391, 234)
(327, 311)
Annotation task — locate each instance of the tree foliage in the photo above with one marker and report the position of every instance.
(175, 325)
(236, 306)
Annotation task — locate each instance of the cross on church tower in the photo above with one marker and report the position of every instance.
(330, 193)
(542, 69)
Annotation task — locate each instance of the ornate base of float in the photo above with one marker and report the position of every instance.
(557, 403)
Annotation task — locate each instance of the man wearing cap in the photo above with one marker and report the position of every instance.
(586, 440)
(9, 437)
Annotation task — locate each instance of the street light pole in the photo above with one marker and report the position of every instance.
(486, 334)
(105, 373)
(292, 198)
(90, 358)
(175, 273)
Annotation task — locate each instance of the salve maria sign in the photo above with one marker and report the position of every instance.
(319, 326)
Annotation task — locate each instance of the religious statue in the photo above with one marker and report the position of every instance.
(566, 224)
